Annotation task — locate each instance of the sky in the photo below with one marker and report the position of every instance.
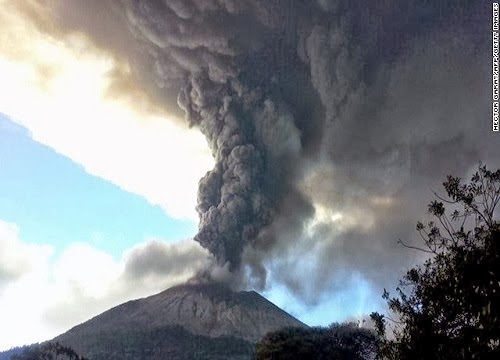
(282, 147)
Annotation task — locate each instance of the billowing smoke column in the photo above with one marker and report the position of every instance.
(342, 106)
(243, 84)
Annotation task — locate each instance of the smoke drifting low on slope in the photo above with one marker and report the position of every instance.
(330, 122)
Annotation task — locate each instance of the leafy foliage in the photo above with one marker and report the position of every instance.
(448, 308)
(346, 341)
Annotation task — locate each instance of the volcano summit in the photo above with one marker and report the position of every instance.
(191, 321)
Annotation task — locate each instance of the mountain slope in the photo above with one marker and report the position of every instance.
(183, 322)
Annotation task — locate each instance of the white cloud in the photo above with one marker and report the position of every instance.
(47, 295)
(90, 279)
(19, 260)
(24, 267)
(65, 93)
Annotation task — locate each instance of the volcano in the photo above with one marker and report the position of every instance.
(190, 321)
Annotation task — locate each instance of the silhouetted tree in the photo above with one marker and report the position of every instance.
(448, 308)
(346, 341)
(48, 351)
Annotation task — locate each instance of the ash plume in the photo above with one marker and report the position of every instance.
(241, 85)
(330, 122)
(272, 84)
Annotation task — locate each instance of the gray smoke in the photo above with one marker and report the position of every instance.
(241, 84)
(330, 122)
(276, 87)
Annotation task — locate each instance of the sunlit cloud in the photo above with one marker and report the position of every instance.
(82, 102)
(19, 260)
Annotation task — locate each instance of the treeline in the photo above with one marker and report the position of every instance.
(338, 341)
(44, 351)
(6, 355)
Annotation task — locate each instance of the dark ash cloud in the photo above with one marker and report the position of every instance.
(330, 122)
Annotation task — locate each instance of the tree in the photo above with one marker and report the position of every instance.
(346, 341)
(47, 351)
(448, 308)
